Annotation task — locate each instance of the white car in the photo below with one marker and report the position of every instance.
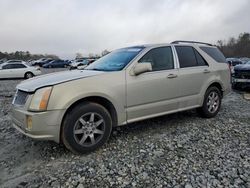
(18, 70)
(80, 64)
(15, 61)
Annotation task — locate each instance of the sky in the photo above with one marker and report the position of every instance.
(67, 27)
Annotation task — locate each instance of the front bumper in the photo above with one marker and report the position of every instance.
(240, 83)
(43, 126)
(240, 80)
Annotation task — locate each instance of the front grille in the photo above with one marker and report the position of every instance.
(20, 98)
(245, 74)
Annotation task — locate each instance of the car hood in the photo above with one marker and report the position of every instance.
(242, 67)
(35, 83)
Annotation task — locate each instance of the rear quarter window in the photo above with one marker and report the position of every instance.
(215, 53)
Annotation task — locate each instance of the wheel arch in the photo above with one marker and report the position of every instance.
(218, 85)
(211, 84)
(95, 99)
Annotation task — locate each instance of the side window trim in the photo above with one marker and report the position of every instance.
(176, 59)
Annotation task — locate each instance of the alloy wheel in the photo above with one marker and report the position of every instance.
(89, 129)
(213, 102)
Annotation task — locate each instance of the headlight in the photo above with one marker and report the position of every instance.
(40, 99)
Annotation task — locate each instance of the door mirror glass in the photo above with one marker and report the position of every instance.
(141, 68)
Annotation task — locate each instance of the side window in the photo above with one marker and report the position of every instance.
(200, 60)
(186, 56)
(19, 66)
(215, 53)
(160, 58)
(10, 66)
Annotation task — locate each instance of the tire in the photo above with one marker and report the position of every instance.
(28, 75)
(86, 127)
(211, 103)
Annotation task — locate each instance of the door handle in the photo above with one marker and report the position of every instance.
(172, 76)
(206, 71)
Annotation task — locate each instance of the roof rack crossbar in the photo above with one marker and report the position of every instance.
(193, 42)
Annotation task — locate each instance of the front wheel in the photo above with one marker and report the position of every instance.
(86, 127)
(211, 104)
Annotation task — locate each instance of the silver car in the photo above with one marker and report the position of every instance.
(80, 107)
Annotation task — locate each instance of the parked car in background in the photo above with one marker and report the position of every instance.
(77, 61)
(244, 59)
(81, 64)
(232, 62)
(79, 108)
(15, 61)
(2, 60)
(18, 70)
(42, 62)
(241, 76)
(57, 64)
(38, 60)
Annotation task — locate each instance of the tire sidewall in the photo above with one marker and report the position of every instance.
(204, 106)
(73, 116)
(28, 73)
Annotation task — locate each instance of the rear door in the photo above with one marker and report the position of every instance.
(19, 70)
(194, 72)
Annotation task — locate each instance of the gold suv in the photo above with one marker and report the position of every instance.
(80, 107)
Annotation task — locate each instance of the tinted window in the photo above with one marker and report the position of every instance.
(186, 56)
(200, 60)
(10, 66)
(215, 53)
(18, 66)
(160, 58)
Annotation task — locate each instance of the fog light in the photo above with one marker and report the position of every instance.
(29, 122)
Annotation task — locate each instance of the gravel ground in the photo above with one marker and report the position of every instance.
(178, 150)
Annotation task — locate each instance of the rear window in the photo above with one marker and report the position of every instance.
(215, 53)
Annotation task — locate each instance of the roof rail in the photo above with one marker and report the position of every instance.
(193, 42)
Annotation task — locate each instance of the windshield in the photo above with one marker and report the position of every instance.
(116, 60)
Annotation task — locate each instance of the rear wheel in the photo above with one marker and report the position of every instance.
(28, 75)
(86, 127)
(211, 104)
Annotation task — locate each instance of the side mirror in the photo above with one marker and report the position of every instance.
(140, 68)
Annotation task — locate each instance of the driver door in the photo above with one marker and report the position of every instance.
(153, 93)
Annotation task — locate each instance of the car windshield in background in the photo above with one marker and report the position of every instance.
(116, 60)
(85, 62)
(215, 53)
